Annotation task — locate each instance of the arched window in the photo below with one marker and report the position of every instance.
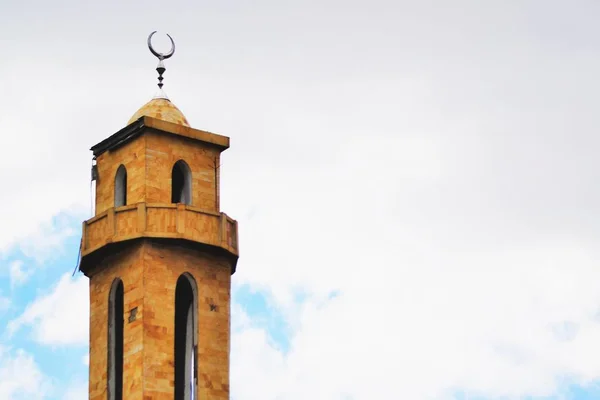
(186, 337)
(181, 189)
(121, 186)
(115, 341)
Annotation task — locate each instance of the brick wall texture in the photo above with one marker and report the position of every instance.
(149, 268)
(149, 271)
(149, 161)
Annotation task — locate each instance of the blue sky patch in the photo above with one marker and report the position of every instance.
(256, 304)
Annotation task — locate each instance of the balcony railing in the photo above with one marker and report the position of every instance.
(175, 221)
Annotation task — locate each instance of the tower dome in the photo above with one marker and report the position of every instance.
(161, 108)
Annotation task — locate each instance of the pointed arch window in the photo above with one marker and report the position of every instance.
(121, 186)
(181, 183)
(115, 341)
(186, 337)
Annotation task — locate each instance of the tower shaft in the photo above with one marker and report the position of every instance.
(159, 255)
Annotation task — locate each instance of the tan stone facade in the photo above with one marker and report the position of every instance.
(149, 160)
(149, 271)
(148, 244)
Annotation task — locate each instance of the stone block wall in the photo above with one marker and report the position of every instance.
(133, 156)
(149, 160)
(127, 265)
(163, 151)
(149, 270)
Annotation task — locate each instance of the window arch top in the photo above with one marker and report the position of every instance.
(181, 183)
(121, 186)
(115, 340)
(186, 337)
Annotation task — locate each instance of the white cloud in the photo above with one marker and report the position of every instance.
(60, 317)
(257, 368)
(77, 391)
(47, 240)
(436, 284)
(518, 324)
(20, 377)
(18, 274)
(42, 177)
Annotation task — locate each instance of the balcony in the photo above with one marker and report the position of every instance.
(165, 221)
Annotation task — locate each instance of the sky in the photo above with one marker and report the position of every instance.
(415, 182)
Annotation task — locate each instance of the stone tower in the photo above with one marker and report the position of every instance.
(159, 256)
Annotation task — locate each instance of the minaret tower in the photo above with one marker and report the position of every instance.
(159, 256)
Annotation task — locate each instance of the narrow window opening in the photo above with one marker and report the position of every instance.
(185, 338)
(121, 187)
(115, 341)
(181, 183)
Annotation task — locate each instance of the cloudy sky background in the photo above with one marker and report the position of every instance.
(416, 185)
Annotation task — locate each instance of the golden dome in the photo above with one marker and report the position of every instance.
(161, 108)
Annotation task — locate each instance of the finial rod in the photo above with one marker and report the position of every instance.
(161, 66)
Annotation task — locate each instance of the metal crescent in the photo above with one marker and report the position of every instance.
(172, 47)
(158, 55)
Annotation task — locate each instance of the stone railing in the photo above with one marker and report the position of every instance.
(170, 221)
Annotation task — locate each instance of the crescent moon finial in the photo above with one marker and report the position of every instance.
(161, 56)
